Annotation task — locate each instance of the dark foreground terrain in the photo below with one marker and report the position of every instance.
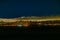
(29, 33)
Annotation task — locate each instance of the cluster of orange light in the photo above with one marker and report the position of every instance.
(25, 24)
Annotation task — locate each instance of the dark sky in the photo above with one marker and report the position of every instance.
(17, 8)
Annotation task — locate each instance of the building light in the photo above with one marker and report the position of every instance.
(20, 25)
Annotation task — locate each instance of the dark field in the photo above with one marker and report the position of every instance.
(30, 32)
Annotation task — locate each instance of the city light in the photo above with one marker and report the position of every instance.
(26, 21)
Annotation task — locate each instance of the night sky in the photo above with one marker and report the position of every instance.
(18, 8)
